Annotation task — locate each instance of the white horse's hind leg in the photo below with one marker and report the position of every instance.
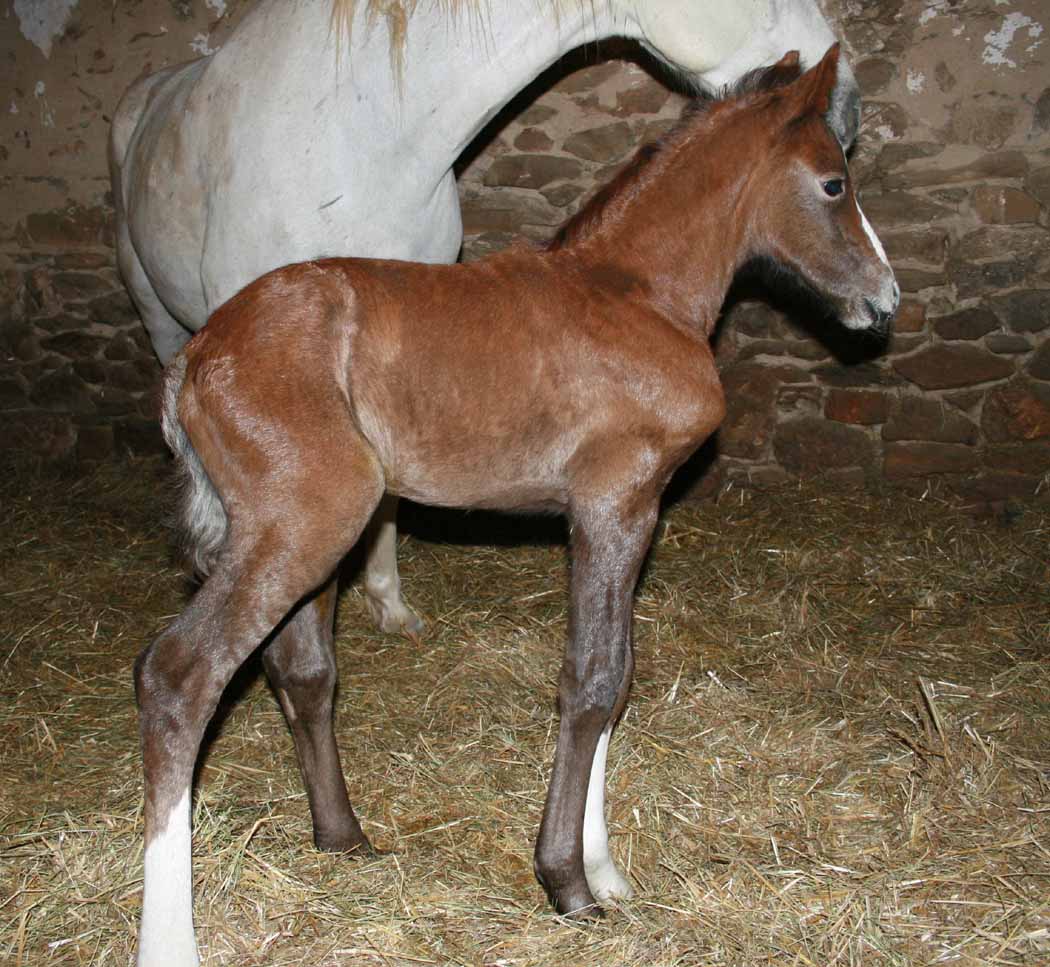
(603, 878)
(166, 932)
(382, 584)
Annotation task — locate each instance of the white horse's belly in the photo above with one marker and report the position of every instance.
(251, 232)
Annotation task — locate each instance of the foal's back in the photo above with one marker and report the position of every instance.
(490, 384)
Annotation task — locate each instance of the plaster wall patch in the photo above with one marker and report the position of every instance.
(997, 42)
(199, 45)
(41, 21)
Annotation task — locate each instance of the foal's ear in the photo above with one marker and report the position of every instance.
(818, 83)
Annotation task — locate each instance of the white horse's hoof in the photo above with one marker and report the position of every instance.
(394, 617)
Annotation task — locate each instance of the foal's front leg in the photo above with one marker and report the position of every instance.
(609, 543)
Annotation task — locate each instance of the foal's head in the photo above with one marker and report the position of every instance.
(806, 216)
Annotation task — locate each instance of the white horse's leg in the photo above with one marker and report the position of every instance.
(166, 932)
(603, 877)
(382, 584)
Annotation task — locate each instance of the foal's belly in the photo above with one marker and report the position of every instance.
(516, 472)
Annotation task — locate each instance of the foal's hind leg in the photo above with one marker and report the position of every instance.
(382, 584)
(292, 533)
(300, 663)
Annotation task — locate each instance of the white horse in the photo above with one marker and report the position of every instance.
(297, 140)
(293, 141)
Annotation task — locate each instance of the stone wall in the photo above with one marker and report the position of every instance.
(953, 159)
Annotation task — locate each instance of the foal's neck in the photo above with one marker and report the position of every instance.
(680, 228)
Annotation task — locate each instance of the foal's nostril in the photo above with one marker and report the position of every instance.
(880, 317)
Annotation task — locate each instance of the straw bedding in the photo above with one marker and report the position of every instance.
(837, 749)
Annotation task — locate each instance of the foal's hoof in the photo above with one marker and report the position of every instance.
(575, 904)
(356, 846)
(592, 912)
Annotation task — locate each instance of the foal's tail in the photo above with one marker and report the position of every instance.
(202, 517)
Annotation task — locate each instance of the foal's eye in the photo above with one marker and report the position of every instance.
(834, 187)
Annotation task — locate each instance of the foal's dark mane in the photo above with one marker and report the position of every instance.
(591, 216)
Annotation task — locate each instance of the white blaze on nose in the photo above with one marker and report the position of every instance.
(872, 237)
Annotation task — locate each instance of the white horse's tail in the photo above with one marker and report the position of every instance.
(202, 517)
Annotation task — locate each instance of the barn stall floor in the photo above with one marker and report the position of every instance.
(837, 749)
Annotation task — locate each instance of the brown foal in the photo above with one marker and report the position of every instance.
(573, 379)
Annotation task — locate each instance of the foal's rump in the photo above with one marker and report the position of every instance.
(256, 413)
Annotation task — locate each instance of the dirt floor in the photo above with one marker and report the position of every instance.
(837, 750)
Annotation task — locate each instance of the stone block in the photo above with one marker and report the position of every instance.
(121, 347)
(94, 443)
(966, 324)
(811, 446)
(604, 144)
(585, 80)
(1025, 311)
(1038, 185)
(753, 348)
(896, 154)
(1028, 458)
(1001, 205)
(874, 74)
(902, 460)
(993, 242)
(911, 317)
(13, 394)
(533, 139)
(1000, 164)
(1039, 364)
(34, 435)
(949, 366)
(90, 370)
(537, 114)
(915, 280)
(859, 374)
(647, 97)
(987, 120)
(562, 196)
(1007, 343)
(507, 211)
(79, 286)
(134, 377)
(756, 319)
(531, 170)
(865, 407)
(74, 344)
(750, 392)
(799, 400)
(113, 402)
(62, 390)
(927, 419)
(972, 280)
(140, 438)
(1018, 410)
(928, 245)
(84, 260)
(892, 209)
(995, 485)
(70, 226)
